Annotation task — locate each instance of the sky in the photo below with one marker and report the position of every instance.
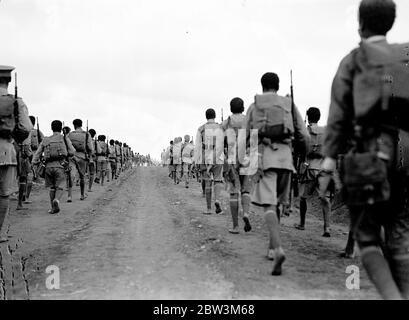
(145, 71)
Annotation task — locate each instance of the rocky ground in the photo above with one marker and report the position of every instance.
(142, 237)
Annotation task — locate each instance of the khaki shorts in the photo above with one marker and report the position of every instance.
(186, 168)
(178, 168)
(393, 216)
(213, 172)
(54, 177)
(273, 188)
(313, 185)
(25, 167)
(102, 165)
(7, 180)
(238, 183)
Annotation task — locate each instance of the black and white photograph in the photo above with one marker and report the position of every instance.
(216, 152)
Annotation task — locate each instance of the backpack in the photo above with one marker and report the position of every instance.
(272, 117)
(78, 140)
(55, 150)
(381, 84)
(316, 142)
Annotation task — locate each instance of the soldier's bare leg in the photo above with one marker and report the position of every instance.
(91, 172)
(400, 271)
(379, 272)
(218, 187)
(349, 249)
(103, 173)
(273, 226)
(52, 197)
(234, 209)
(29, 188)
(326, 211)
(245, 203)
(4, 209)
(208, 193)
(303, 213)
(108, 172)
(21, 192)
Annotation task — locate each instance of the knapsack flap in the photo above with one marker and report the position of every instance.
(272, 117)
(381, 83)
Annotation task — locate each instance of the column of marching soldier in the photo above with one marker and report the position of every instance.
(65, 158)
(363, 151)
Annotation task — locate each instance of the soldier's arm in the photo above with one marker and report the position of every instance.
(71, 149)
(38, 154)
(301, 135)
(247, 125)
(340, 127)
(90, 145)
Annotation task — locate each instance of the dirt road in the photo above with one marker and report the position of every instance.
(143, 238)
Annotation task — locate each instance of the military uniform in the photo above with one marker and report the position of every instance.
(83, 150)
(118, 160)
(56, 151)
(276, 161)
(276, 164)
(112, 161)
(93, 165)
(312, 181)
(239, 183)
(102, 160)
(8, 155)
(177, 159)
(367, 220)
(209, 154)
(188, 151)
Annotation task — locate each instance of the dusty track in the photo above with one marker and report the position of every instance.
(143, 238)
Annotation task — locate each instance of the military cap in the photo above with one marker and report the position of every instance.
(5, 71)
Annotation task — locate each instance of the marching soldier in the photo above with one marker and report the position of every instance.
(375, 183)
(312, 180)
(84, 149)
(57, 149)
(209, 153)
(36, 137)
(177, 159)
(188, 151)
(102, 160)
(26, 171)
(239, 184)
(93, 162)
(275, 157)
(118, 158)
(14, 127)
(112, 159)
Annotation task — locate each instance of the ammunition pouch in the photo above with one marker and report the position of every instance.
(365, 179)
